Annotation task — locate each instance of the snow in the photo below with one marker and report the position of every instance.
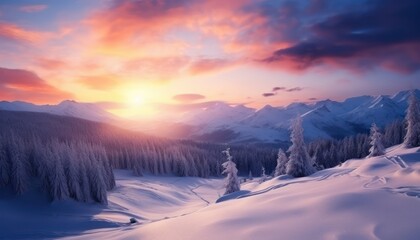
(88, 111)
(224, 123)
(323, 119)
(371, 198)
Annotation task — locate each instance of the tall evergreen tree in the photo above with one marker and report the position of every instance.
(281, 163)
(59, 189)
(299, 164)
(412, 137)
(232, 181)
(377, 147)
(72, 172)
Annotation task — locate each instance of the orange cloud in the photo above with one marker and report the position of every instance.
(50, 64)
(13, 32)
(188, 97)
(33, 8)
(140, 24)
(210, 65)
(18, 84)
(99, 82)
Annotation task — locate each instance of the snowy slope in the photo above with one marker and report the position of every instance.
(382, 110)
(372, 198)
(217, 115)
(348, 202)
(88, 111)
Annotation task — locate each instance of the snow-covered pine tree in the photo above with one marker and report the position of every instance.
(72, 172)
(84, 166)
(377, 147)
(263, 175)
(232, 181)
(59, 189)
(250, 176)
(19, 173)
(412, 137)
(299, 164)
(96, 175)
(281, 163)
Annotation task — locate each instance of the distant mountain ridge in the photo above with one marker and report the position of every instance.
(88, 111)
(322, 119)
(223, 123)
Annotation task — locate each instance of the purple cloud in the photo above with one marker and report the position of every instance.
(268, 94)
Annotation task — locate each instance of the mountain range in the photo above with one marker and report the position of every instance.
(224, 123)
(70, 108)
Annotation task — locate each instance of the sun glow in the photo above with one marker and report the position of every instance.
(136, 101)
(136, 104)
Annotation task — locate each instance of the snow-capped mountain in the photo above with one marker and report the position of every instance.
(217, 114)
(323, 119)
(223, 123)
(88, 111)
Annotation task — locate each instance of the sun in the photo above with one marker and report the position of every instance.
(137, 100)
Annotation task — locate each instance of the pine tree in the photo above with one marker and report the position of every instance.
(19, 173)
(299, 164)
(412, 137)
(72, 172)
(250, 176)
(4, 167)
(263, 175)
(84, 166)
(59, 189)
(377, 148)
(96, 175)
(281, 163)
(232, 182)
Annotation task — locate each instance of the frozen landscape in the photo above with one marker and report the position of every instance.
(369, 198)
(210, 120)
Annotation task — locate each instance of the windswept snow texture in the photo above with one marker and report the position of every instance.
(372, 198)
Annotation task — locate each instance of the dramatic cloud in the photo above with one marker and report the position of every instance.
(27, 86)
(33, 8)
(382, 33)
(188, 98)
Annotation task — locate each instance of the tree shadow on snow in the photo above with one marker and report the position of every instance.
(33, 216)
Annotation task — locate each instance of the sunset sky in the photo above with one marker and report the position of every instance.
(138, 57)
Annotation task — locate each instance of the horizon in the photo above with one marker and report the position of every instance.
(137, 59)
(313, 102)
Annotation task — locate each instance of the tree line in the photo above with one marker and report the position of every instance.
(73, 158)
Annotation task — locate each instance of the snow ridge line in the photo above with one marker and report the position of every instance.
(397, 160)
(198, 195)
(403, 164)
(333, 174)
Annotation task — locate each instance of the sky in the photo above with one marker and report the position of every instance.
(137, 58)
